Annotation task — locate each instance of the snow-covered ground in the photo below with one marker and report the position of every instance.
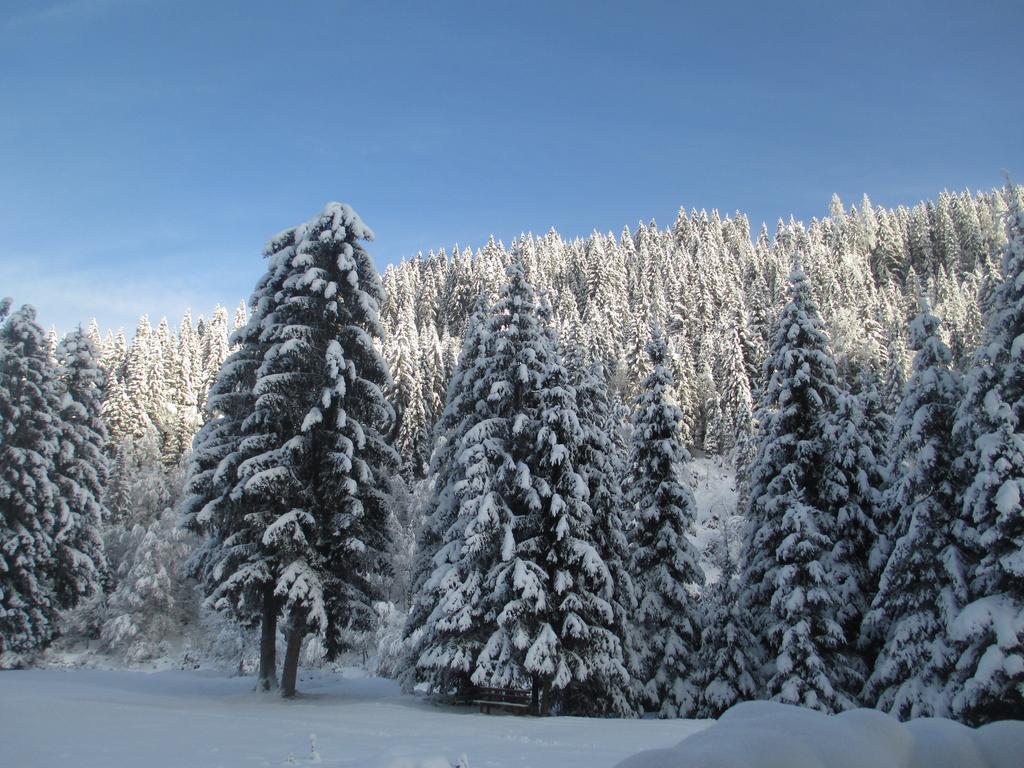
(120, 719)
(760, 734)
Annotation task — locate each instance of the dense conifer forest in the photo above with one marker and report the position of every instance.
(477, 468)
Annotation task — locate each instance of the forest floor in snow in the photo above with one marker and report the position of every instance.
(175, 719)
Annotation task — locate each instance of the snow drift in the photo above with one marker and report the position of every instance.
(761, 734)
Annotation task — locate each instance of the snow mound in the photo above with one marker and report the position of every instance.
(761, 734)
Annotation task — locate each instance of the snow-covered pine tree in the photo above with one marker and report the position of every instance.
(601, 460)
(734, 404)
(214, 348)
(723, 675)
(29, 440)
(233, 563)
(312, 481)
(923, 585)
(439, 540)
(852, 484)
(406, 368)
(80, 472)
(139, 368)
(788, 507)
(576, 644)
(989, 680)
(804, 632)
(518, 595)
(496, 494)
(665, 564)
(894, 377)
(241, 317)
(435, 375)
(520, 461)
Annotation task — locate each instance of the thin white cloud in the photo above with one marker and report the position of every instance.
(67, 297)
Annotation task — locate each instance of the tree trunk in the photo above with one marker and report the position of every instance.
(535, 695)
(267, 676)
(291, 662)
(546, 700)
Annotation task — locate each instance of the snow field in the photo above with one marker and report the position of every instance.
(119, 719)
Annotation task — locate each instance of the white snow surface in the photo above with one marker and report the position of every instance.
(197, 719)
(761, 734)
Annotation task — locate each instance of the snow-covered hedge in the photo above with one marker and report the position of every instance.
(761, 734)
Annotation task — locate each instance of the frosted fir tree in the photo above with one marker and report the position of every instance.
(439, 540)
(923, 585)
(888, 256)
(52, 340)
(142, 384)
(853, 482)
(436, 372)
(29, 439)
(185, 400)
(215, 348)
(232, 562)
(407, 370)
(876, 430)
(601, 460)
(969, 231)
(80, 471)
(575, 642)
(989, 680)
(804, 632)
(729, 422)
(665, 563)
(948, 251)
(551, 587)
(241, 317)
(123, 416)
(495, 493)
(310, 483)
(894, 377)
(724, 673)
(801, 387)
(507, 497)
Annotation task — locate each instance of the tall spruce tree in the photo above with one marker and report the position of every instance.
(601, 459)
(923, 585)
(30, 434)
(440, 647)
(313, 457)
(853, 481)
(80, 468)
(724, 674)
(520, 595)
(665, 563)
(789, 588)
(989, 680)
(439, 540)
(548, 588)
(232, 562)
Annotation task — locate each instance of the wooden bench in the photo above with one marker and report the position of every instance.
(503, 698)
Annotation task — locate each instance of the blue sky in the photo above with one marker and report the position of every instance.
(148, 149)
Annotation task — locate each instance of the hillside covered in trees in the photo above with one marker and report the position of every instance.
(489, 482)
